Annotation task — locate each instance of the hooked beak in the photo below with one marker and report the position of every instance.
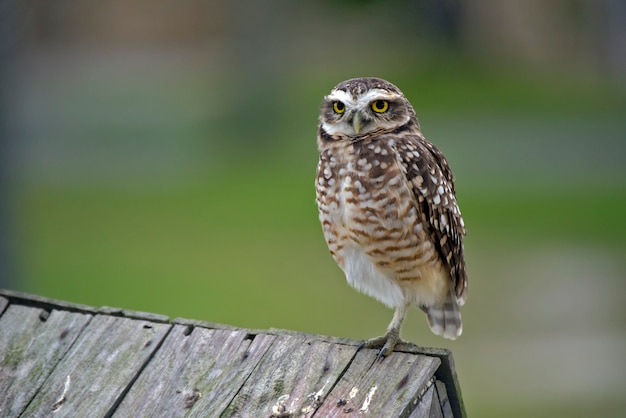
(357, 123)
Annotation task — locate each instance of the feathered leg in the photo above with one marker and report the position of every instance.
(391, 338)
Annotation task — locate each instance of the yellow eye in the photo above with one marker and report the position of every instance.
(380, 106)
(339, 107)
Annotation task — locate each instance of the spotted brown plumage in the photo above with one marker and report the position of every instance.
(387, 206)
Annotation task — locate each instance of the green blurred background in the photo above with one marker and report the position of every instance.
(160, 156)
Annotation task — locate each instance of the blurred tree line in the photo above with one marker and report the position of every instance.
(583, 36)
(256, 46)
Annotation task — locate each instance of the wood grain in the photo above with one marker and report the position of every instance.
(388, 388)
(294, 377)
(196, 372)
(94, 375)
(32, 342)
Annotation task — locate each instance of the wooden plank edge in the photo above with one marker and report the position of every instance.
(323, 338)
(27, 299)
(127, 313)
(446, 373)
(193, 323)
(444, 400)
(4, 303)
(48, 304)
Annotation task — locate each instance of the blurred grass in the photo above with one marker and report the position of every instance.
(248, 238)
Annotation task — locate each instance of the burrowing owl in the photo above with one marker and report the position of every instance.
(387, 207)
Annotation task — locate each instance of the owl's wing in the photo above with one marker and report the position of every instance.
(433, 187)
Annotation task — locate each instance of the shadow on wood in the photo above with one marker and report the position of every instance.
(75, 360)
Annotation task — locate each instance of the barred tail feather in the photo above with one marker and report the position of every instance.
(445, 319)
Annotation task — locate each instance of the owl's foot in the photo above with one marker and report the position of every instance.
(386, 343)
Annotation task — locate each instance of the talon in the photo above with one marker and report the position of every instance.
(386, 343)
(382, 354)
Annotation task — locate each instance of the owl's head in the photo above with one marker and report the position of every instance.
(364, 106)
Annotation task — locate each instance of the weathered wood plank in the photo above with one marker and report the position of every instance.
(435, 410)
(427, 406)
(126, 363)
(93, 376)
(388, 388)
(442, 394)
(446, 374)
(234, 379)
(294, 376)
(194, 373)
(32, 341)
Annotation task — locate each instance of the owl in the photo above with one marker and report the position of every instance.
(388, 208)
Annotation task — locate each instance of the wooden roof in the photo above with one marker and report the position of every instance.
(78, 361)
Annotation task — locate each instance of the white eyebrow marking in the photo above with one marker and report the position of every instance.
(375, 94)
(342, 96)
(360, 101)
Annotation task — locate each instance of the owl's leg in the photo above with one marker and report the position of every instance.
(387, 342)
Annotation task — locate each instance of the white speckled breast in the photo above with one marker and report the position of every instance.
(372, 226)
